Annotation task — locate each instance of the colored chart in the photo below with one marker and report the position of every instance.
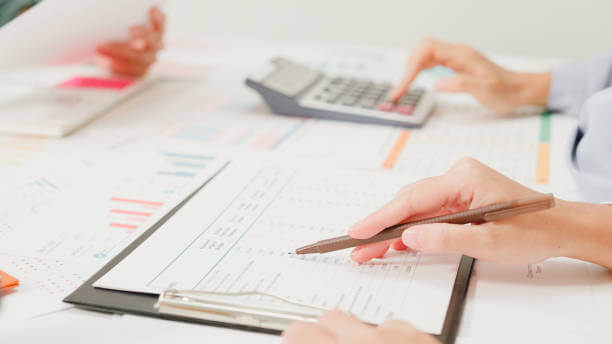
(519, 148)
(261, 132)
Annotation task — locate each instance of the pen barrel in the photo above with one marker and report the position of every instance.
(488, 213)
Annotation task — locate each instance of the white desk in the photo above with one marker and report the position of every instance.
(566, 299)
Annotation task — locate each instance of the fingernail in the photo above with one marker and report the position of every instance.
(355, 255)
(413, 238)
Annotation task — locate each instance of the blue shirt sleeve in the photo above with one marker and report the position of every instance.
(571, 85)
(585, 90)
(590, 158)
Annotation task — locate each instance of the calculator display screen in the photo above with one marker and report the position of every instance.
(290, 79)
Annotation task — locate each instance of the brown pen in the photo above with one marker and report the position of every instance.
(488, 213)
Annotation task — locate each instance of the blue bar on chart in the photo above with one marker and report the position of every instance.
(183, 164)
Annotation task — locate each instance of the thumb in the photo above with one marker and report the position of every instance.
(457, 83)
(442, 237)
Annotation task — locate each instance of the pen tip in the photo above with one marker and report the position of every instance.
(313, 248)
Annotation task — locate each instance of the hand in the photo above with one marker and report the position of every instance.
(135, 56)
(338, 327)
(495, 87)
(469, 184)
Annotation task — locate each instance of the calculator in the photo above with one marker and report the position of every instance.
(289, 88)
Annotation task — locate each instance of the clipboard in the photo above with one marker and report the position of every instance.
(113, 301)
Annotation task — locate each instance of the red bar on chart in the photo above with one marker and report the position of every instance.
(123, 225)
(130, 212)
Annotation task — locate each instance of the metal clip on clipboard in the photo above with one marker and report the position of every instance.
(209, 306)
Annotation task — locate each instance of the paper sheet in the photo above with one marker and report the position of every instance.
(93, 219)
(43, 285)
(529, 149)
(255, 215)
(68, 31)
(559, 300)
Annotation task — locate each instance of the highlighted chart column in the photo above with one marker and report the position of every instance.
(543, 167)
(396, 150)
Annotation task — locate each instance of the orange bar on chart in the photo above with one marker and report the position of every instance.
(397, 149)
(7, 281)
(543, 164)
(543, 168)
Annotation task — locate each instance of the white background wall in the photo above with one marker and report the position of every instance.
(546, 28)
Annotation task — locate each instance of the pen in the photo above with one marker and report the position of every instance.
(488, 213)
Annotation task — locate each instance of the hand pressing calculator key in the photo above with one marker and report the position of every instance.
(292, 89)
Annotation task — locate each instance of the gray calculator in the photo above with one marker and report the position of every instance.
(292, 89)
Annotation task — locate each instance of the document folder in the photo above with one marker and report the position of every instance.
(198, 307)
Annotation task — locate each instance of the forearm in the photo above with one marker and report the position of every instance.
(587, 231)
(534, 88)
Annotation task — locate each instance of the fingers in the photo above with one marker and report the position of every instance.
(125, 60)
(134, 57)
(429, 53)
(398, 324)
(422, 58)
(342, 325)
(144, 38)
(425, 197)
(397, 331)
(475, 241)
(362, 254)
(151, 35)
(157, 20)
(133, 70)
(304, 332)
(125, 53)
(398, 245)
(458, 83)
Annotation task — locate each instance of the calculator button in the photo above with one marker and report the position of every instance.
(386, 106)
(405, 109)
(349, 101)
(367, 103)
(333, 99)
(408, 102)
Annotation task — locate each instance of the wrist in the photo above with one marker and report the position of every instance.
(583, 231)
(533, 88)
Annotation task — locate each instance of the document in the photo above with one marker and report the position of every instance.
(43, 283)
(108, 204)
(68, 31)
(239, 232)
(559, 300)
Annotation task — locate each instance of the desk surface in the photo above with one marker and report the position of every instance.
(201, 102)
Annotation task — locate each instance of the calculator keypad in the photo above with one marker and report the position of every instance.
(367, 94)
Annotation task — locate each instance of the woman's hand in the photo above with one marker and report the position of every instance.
(338, 327)
(135, 56)
(469, 184)
(495, 87)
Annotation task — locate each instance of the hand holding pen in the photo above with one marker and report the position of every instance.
(568, 230)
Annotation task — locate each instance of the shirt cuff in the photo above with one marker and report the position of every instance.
(567, 88)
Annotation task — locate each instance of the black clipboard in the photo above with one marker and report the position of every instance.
(114, 301)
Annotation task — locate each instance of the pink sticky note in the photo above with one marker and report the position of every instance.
(100, 83)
